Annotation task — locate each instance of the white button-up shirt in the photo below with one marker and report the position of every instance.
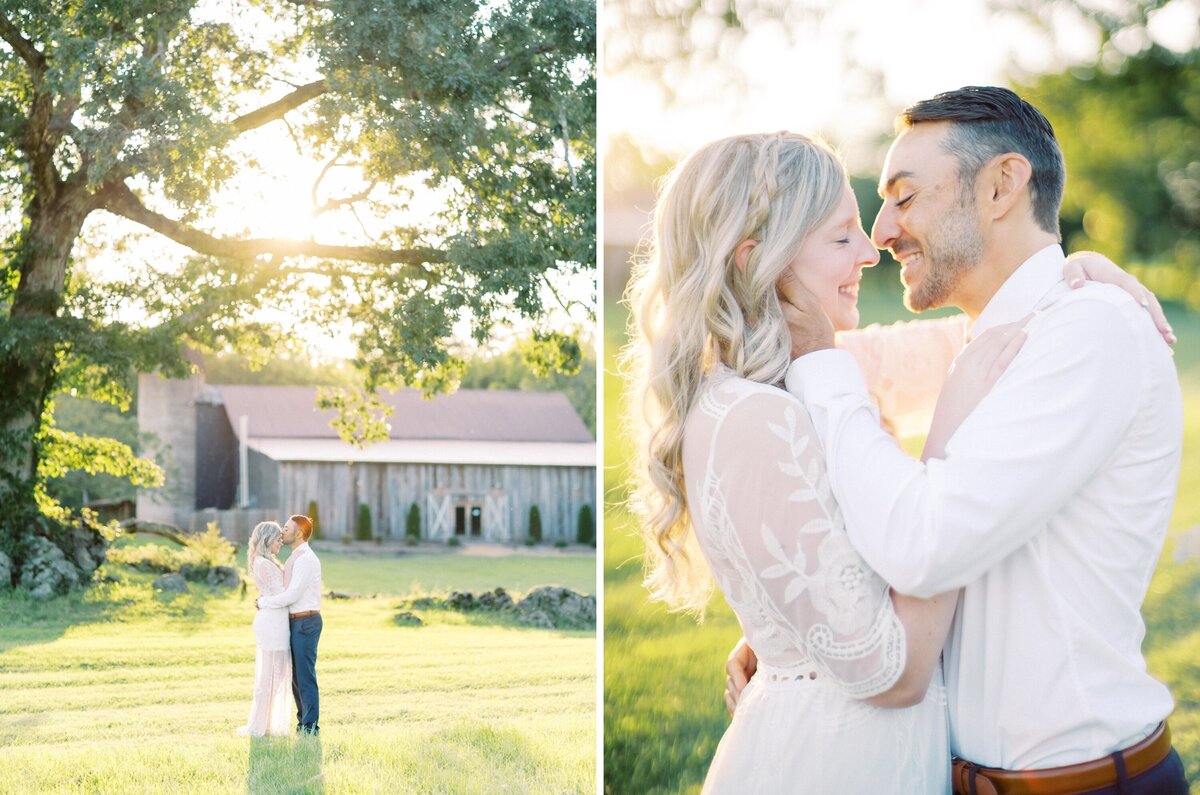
(1049, 510)
(303, 591)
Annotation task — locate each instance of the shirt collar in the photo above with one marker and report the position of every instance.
(1023, 290)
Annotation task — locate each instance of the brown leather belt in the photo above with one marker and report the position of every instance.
(1082, 777)
(304, 613)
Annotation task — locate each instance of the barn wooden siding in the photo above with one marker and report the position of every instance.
(390, 489)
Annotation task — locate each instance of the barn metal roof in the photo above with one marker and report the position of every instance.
(468, 415)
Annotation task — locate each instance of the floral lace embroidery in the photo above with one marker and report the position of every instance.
(776, 542)
(268, 577)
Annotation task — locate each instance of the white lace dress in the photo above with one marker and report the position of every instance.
(820, 621)
(272, 710)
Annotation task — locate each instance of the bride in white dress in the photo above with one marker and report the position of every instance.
(848, 697)
(272, 708)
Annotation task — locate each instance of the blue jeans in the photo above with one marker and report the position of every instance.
(1165, 778)
(306, 632)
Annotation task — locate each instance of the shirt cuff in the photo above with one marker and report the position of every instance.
(819, 377)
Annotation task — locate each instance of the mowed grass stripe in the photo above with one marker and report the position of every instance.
(142, 685)
(474, 758)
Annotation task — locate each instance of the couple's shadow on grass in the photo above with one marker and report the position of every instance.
(285, 765)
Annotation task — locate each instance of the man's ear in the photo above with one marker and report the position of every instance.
(741, 254)
(1007, 182)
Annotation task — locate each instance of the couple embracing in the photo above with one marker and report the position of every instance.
(1013, 557)
(286, 629)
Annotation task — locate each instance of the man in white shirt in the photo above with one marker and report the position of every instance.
(1050, 507)
(302, 596)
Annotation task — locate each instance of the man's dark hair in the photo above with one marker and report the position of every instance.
(990, 121)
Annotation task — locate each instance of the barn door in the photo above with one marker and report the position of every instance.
(441, 515)
(495, 512)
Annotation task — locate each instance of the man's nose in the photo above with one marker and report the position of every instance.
(885, 229)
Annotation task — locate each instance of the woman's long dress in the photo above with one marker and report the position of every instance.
(820, 621)
(273, 709)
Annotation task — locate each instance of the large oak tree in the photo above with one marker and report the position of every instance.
(117, 114)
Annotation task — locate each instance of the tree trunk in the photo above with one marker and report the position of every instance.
(28, 352)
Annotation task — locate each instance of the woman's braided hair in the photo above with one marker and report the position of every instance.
(691, 306)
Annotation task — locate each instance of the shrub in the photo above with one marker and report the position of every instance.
(586, 526)
(157, 558)
(560, 543)
(200, 552)
(453, 541)
(347, 540)
(411, 541)
(314, 514)
(209, 548)
(535, 525)
(362, 528)
(412, 525)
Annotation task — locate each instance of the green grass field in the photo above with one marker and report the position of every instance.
(364, 568)
(120, 690)
(366, 571)
(664, 673)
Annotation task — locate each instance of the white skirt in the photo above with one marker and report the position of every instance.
(793, 735)
(271, 629)
(272, 710)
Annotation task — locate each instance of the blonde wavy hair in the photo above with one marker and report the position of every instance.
(261, 539)
(691, 306)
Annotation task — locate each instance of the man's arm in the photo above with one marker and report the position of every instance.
(302, 574)
(1046, 427)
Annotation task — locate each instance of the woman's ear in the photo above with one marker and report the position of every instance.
(741, 254)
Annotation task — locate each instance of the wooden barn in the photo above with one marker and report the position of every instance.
(474, 463)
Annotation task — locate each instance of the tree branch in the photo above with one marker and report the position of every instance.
(36, 140)
(276, 110)
(566, 138)
(118, 199)
(333, 204)
(366, 233)
(22, 46)
(333, 161)
(295, 138)
(169, 531)
(540, 48)
(524, 118)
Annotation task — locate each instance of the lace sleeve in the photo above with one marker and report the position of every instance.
(268, 577)
(905, 365)
(798, 573)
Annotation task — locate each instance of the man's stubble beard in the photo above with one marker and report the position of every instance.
(954, 248)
